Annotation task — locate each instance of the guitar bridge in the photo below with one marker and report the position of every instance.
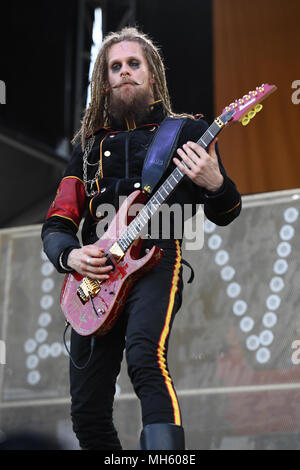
(87, 289)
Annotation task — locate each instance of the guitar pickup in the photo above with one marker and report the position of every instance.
(87, 289)
(117, 252)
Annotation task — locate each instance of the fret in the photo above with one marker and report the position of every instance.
(172, 174)
(147, 208)
(157, 194)
(154, 197)
(128, 242)
(179, 173)
(145, 214)
(215, 128)
(166, 184)
(200, 141)
(141, 222)
(153, 208)
(137, 226)
(206, 139)
(132, 230)
(144, 220)
(209, 135)
(163, 187)
(122, 244)
(163, 195)
(125, 243)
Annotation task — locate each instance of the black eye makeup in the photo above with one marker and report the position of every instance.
(133, 63)
(115, 67)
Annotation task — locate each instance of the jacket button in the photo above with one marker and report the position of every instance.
(137, 185)
(107, 153)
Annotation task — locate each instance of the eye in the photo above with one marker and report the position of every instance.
(115, 67)
(134, 64)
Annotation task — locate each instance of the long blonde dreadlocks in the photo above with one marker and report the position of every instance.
(97, 113)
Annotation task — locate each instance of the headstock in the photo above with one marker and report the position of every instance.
(245, 108)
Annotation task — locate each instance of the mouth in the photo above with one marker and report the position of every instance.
(126, 83)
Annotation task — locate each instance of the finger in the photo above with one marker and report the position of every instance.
(95, 263)
(95, 273)
(97, 277)
(186, 158)
(192, 154)
(93, 251)
(212, 148)
(204, 155)
(97, 270)
(199, 151)
(183, 168)
(94, 260)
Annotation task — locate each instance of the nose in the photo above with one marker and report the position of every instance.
(124, 70)
(124, 74)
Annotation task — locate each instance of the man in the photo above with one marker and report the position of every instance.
(129, 100)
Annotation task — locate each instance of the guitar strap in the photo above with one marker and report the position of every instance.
(158, 158)
(160, 152)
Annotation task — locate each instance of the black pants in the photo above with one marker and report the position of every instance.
(143, 329)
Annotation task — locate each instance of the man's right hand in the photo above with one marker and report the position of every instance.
(89, 261)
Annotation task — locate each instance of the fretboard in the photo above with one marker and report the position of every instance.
(162, 194)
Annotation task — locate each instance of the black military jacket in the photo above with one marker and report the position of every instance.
(118, 155)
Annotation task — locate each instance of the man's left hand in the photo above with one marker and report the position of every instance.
(203, 167)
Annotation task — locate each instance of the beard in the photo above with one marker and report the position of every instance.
(133, 108)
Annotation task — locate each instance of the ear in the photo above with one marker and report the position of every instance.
(152, 79)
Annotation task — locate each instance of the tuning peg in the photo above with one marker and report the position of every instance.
(258, 107)
(245, 121)
(251, 113)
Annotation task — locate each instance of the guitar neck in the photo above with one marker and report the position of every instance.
(135, 228)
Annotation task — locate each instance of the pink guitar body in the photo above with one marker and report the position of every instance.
(110, 300)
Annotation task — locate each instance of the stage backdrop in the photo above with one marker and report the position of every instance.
(257, 42)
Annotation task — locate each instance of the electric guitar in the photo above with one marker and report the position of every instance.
(91, 306)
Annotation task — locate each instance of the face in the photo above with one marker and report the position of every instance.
(128, 72)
